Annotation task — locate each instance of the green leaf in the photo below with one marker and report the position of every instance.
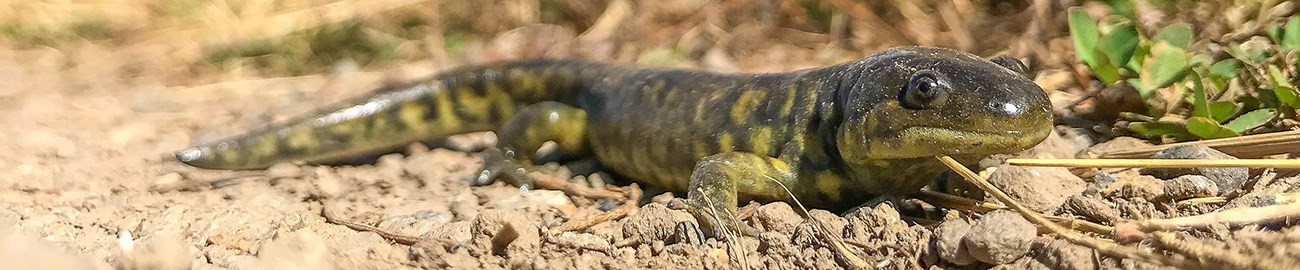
(1142, 90)
(1208, 129)
(1250, 51)
(1168, 65)
(1139, 57)
(1222, 110)
(1200, 101)
(1158, 129)
(1106, 72)
(1285, 92)
(1227, 68)
(1083, 30)
(1122, 8)
(1120, 43)
(1291, 36)
(1179, 35)
(1250, 120)
(1273, 32)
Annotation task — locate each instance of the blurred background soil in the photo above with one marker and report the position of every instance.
(94, 96)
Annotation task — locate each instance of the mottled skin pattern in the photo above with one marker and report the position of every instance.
(834, 136)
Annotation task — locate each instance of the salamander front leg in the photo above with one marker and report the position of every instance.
(721, 179)
(521, 137)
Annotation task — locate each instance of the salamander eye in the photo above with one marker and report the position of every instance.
(926, 90)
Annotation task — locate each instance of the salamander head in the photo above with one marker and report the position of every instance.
(917, 102)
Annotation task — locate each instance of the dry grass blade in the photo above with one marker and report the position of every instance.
(958, 202)
(1105, 247)
(1232, 259)
(1250, 146)
(633, 198)
(1232, 217)
(572, 188)
(836, 242)
(727, 233)
(1157, 163)
(332, 217)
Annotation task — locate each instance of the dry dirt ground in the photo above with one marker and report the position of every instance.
(87, 182)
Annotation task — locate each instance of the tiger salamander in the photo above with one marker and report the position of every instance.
(835, 136)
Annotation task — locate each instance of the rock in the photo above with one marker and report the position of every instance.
(1061, 254)
(1227, 179)
(1099, 182)
(1091, 208)
(1119, 143)
(1141, 186)
(778, 216)
(1000, 237)
(805, 235)
(302, 249)
(158, 252)
(1042, 189)
(948, 241)
(654, 222)
(506, 232)
(882, 225)
(458, 231)
(1190, 186)
(879, 223)
(538, 199)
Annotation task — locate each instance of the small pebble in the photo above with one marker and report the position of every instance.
(948, 241)
(506, 234)
(1190, 186)
(1061, 254)
(1119, 143)
(1099, 182)
(653, 222)
(1141, 186)
(1092, 209)
(1227, 179)
(1040, 188)
(1000, 237)
(778, 217)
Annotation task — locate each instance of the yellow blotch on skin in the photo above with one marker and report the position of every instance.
(760, 141)
(726, 143)
(412, 115)
(790, 93)
(746, 104)
(829, 184)
(702, 150)
(446, 112)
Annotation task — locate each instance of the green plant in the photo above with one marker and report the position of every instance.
(1186, 91)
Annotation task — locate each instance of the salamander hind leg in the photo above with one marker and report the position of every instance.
(719, 180)
(521, 137)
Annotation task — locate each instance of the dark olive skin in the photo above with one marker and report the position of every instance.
(832, 136)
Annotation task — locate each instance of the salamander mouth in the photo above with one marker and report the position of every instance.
(922, 141)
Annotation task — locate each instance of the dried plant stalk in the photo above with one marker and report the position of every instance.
(1103, 246)
(1157, 163)
(1249, 146)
